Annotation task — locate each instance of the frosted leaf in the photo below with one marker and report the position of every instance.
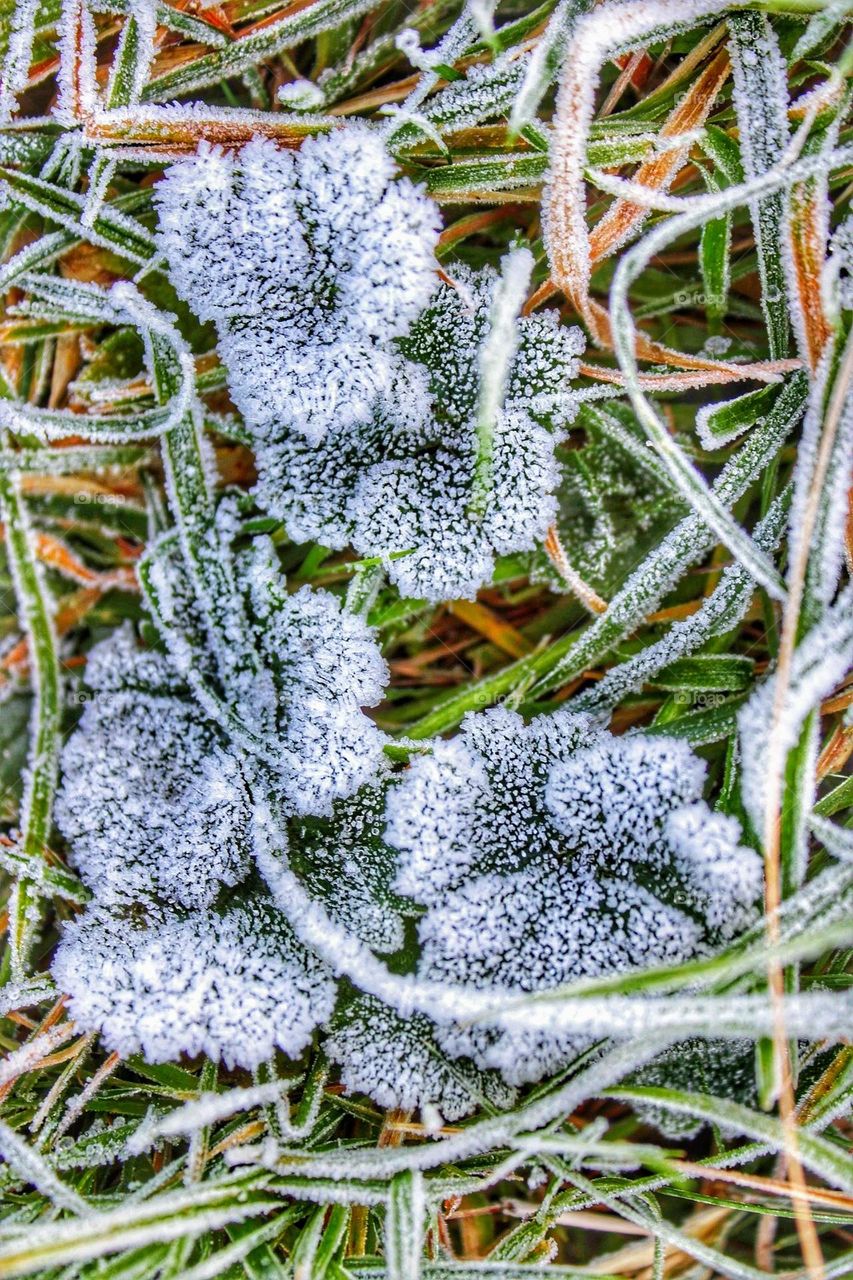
(486, 92)
(310, 263)
(477, 803)
(326, 666)
(612, 505)
(614, 799)
(234, 986)
(152, 800)
(551, 852)
(397, 1062)
(537, 928)
(723, 878)
(319, 665)
(722, 1068)
(402, 479)
(347, 864)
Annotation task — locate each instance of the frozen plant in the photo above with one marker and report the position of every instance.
(311, 263)
(233, 984)
(153, 801)
(402, 481)
(613, 502)
(317, 666)
(550, 852)
(398, 1062)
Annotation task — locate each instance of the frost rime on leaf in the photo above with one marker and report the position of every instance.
(152, 802)
(319, 665)
(397, 1062)
(611, 506)
(310, 264)
(233, 986)
(325, 667)
(402, 479)
(553, 851)
(348, 865)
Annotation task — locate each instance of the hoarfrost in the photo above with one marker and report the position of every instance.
(347, 863)
(234, 986)
(319, 665)
(535, 849)
(820, 661)
(152, 800)
(326, 666)
(397, 1062)
(401, 482)
(310, 263)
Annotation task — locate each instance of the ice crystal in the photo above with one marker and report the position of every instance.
(724, 1068)
(402, 479)
(152, 799)
(310, 264)
(325, 666)
(234, 985)
(554, 851)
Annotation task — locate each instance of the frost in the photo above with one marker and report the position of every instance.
(310, 263)
(348, 865)
(613, 799)
(552, 852)
(319, 665)
(721, 1068)
(397, 1062)
(477, 802)
(234, 985)
(403, 479)
(152, 800)
(613, 502)
(820, 661)
(720, 612)
(325, 666)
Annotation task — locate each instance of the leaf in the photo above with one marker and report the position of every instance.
(404, 1226)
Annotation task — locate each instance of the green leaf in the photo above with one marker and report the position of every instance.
(404, 1226)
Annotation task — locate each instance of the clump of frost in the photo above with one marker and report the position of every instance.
(398, 1063)
(400, 481)
(551, 852)
(153, 801)
(233, 985)
(309, 262)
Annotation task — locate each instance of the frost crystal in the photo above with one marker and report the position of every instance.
(234, 985)
(550, 852)
(614, 503)
(310, 263)
(152, 800)
(723, 1068)
(402, 479)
